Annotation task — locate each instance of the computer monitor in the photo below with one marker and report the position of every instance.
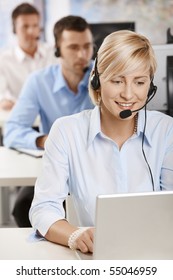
(101, 30)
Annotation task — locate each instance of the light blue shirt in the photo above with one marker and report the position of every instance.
(47, 94)
(79, 159)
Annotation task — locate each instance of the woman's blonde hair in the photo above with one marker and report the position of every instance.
(121, 53)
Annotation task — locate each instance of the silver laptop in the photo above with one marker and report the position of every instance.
(133, 227)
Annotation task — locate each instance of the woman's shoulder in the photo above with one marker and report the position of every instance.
(75, 120)
(159, 116)
(159, 119)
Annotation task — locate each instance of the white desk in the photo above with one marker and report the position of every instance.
(16, 169)
(15, 245)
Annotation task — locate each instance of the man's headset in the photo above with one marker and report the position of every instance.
(95, 83)
(14, 28)
(57, 52)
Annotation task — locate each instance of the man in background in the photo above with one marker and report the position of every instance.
(26, 56)
(55, 91)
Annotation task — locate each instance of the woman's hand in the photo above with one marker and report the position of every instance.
(61, 232)
(85, 241)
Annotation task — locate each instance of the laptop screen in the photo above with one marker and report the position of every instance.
(134, 226)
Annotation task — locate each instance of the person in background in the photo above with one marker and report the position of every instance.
(27, 55)
(98, 151)
(55, 91)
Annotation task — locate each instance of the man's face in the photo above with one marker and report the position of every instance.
(76, 49)
(27, 29)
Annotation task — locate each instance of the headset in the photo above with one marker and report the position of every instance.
(95, 83)
(14, 27)
(57, 52)
(152, 90)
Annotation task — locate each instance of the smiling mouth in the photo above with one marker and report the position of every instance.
(124, 105)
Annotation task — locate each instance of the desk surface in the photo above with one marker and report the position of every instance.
(18, 169)
(15, 244)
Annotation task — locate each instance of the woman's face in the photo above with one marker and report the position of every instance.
(124, 93)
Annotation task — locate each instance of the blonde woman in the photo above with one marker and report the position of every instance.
(117, 147)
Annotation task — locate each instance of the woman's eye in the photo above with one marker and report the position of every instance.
(140, 83)
(116, 81)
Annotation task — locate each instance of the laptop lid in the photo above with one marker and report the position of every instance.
(134, 226)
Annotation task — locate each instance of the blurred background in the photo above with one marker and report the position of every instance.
(152, 17)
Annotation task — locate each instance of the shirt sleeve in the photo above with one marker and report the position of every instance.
(166, 180)
(51, 187)
(19, 132)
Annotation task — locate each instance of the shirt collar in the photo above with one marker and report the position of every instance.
(61, 83)
(140, 129)
(95, 127)
(21, 55)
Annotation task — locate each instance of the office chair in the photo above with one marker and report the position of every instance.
(71, 215)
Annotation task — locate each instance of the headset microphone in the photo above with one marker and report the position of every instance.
(85, 69)
(127, 113)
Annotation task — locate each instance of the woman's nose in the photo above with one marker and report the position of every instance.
(127, 92)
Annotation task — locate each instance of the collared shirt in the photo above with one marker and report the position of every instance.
(16, 65)
(79, 159)
(47, 94)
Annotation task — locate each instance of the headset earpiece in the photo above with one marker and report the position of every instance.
(152, 90)
(14, 28)
(57, 52)
(95, 81)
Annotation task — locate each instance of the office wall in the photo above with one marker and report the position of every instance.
(54, 10)
(152, 17)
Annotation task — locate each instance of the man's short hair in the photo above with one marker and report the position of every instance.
(75, 23)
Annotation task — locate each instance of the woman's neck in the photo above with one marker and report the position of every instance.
(119, 130)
